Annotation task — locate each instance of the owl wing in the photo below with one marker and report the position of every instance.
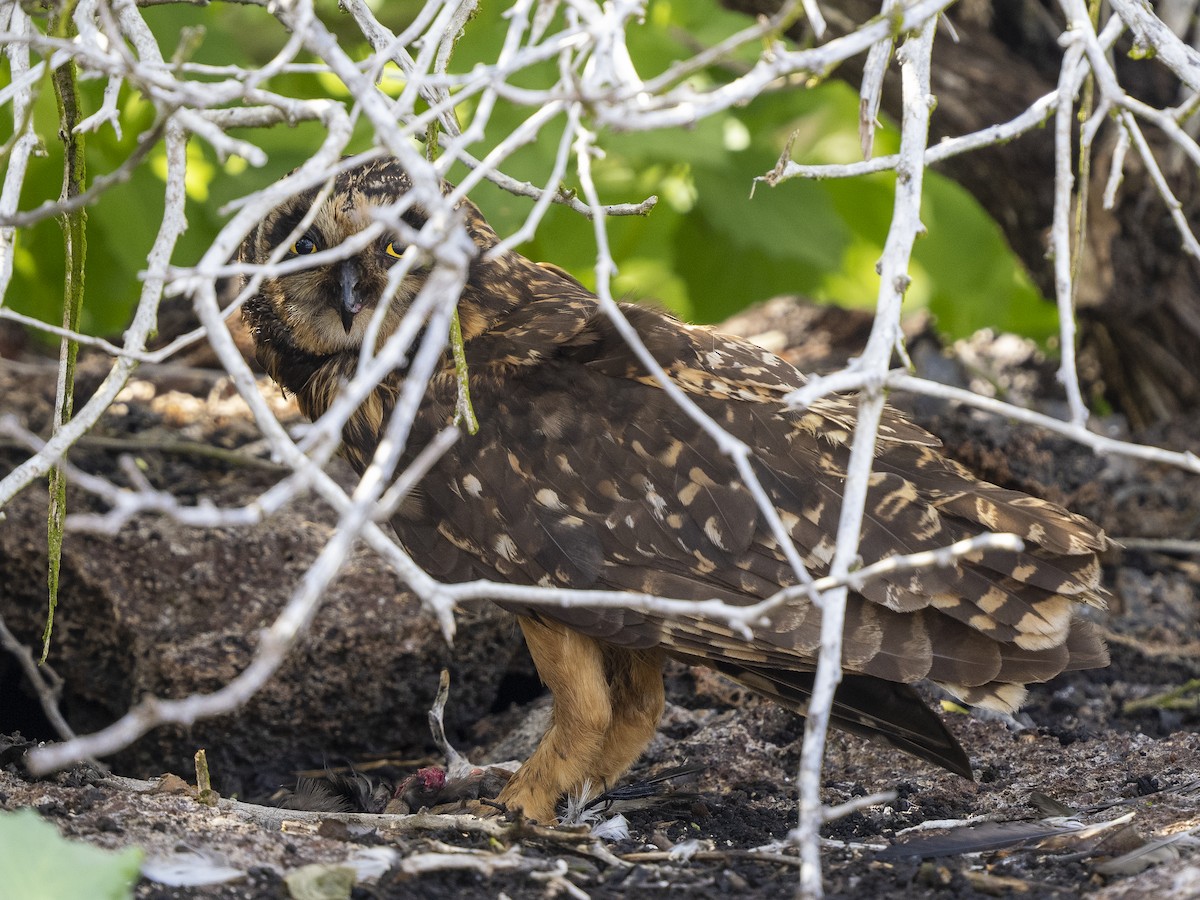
(586, 475)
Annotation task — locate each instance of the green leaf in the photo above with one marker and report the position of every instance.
(36, 863)
(706, 251)
(321, 882)
(978, 283)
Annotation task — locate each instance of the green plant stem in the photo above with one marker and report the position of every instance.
(465, 412)
(74, 229)
(1183, 697)
(204, 789)
(1087, 103)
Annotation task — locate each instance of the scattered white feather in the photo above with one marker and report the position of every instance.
(188, 869)
(371, 862)
(614, 829)
(685, 850)
(577, 812)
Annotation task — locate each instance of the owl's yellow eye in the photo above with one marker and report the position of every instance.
(392, 250)
(304, 246)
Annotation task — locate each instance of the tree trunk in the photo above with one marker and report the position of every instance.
(1138, 292)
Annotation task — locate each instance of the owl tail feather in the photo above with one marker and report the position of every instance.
(863, 705)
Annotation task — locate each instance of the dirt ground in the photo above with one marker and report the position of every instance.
(1092, 790)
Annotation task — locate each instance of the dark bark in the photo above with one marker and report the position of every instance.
(1138, 292)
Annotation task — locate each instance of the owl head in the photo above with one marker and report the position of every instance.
(325, 307)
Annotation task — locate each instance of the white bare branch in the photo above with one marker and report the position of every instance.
(915, 61)
(409, 87)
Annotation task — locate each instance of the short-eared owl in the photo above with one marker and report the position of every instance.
(584, 474)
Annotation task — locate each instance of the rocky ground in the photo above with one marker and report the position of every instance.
(1092, 791)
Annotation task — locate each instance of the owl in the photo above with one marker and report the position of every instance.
(584, 474)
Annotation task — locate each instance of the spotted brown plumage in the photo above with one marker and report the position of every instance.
(584, 474)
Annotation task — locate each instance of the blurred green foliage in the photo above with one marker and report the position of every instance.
(707, 250)
(37, 863)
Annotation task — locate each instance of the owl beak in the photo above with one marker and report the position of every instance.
(352, 302)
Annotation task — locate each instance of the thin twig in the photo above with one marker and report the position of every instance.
(48, 689)
(915, 62)
(597, 89)
(457, 765)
